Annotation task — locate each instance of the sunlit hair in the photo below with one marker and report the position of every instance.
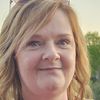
(34, 14)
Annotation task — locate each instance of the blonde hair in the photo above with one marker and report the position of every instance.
(36, 14)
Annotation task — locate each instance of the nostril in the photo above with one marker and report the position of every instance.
(51, 56)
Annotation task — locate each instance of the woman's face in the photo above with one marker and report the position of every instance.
(46, 63)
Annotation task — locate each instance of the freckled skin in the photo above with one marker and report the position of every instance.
(47, 65)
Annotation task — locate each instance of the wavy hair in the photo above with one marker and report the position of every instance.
(36, 14)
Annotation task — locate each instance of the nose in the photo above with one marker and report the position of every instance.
(51, 53)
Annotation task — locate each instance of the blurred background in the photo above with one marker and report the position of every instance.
(88, 12)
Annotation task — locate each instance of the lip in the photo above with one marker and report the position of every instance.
(54, 68)
(50, 68)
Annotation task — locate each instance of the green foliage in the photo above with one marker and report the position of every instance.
(93, 44)
(96, 90)
(92, 38)
(94, 56)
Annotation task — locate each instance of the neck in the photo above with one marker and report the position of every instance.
(62, 96)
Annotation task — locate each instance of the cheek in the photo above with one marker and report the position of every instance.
(68, 60)
(28, 60)
(27, 64)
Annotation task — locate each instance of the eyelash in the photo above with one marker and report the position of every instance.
(63, 43)
(35, 44)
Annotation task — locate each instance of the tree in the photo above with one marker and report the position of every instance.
(92, 38)
(93, 43)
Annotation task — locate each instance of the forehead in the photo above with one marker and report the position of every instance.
(59, 24)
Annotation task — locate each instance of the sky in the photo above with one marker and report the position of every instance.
(88, 12)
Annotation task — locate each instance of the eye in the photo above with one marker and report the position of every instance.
(63, 43)
(34, 44)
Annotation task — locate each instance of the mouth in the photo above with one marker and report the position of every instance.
(43, 69)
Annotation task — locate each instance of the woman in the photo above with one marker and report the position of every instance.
(42, 53)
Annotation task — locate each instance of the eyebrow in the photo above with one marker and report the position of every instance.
(64, 35)
(57, 35)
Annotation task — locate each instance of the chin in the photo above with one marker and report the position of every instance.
(52, 88)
